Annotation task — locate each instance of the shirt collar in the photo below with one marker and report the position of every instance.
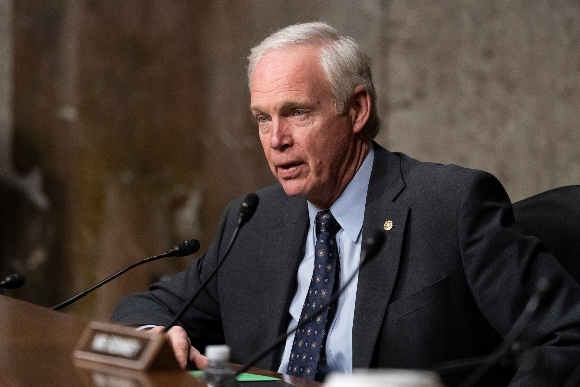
(349, 208)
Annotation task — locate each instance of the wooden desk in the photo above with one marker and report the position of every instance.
(36, 346)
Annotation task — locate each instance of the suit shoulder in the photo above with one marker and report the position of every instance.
(432, 171)
(411, 165)
(444, 179)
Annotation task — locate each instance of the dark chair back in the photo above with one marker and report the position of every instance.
(554, 218)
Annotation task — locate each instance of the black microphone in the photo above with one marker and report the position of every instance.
(247, 210)
(369, 248)
(545, 290)
(179, 250)
(13, 281)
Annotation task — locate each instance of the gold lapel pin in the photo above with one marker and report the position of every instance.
(388, 225)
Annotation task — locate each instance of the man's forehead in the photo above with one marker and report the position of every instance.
(288, 93)
(286, 72)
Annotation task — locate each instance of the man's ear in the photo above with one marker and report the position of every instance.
(360, 108)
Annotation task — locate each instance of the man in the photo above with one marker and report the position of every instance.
(452, 278)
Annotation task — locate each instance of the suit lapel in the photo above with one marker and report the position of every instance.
(287, 244)
(377, 278)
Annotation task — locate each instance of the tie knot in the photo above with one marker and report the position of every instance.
(325, 222)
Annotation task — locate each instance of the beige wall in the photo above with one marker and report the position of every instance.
(493, 85)
(136, 112)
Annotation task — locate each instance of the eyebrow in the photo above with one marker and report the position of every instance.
(285, 106)
(255, 109)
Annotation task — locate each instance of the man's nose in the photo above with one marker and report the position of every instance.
(281, 137)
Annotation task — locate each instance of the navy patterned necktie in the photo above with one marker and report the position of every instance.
(309, 340)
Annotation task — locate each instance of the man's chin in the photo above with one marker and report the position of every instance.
(292, 189)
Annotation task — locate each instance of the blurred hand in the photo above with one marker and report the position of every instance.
(185, 353)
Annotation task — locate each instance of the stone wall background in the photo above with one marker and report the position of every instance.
(129, 129)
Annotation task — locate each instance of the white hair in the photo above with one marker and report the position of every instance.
(343, 61)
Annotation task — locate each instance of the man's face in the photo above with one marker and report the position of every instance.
(309, 147)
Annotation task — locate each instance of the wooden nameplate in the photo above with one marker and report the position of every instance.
(111, 345)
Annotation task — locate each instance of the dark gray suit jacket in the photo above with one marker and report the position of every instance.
(451, 279)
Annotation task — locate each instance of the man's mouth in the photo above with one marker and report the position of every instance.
(289, 170)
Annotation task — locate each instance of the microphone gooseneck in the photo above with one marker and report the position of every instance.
(179, 250)
(247, 210)
(13, 281)
(369, 248)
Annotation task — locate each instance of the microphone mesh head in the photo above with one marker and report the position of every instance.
(13, 281)
(249, 206)
(186, 248)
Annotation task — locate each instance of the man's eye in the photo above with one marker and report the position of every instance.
(262, 119)
(299, 112)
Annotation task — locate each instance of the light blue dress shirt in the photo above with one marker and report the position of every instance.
(349, 211)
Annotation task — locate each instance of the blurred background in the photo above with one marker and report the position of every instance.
(125, 128)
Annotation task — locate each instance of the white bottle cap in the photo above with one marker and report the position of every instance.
(217, 352)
